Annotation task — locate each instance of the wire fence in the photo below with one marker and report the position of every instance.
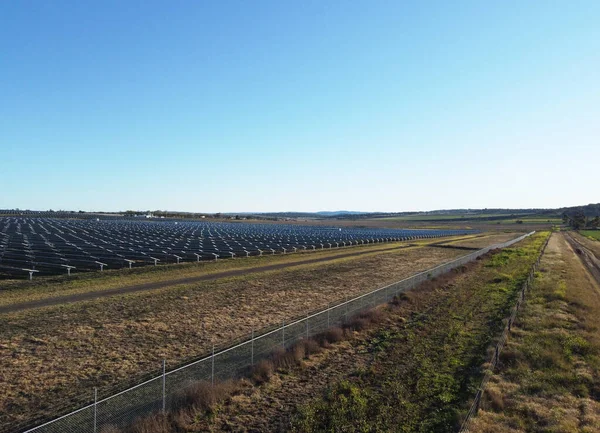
(493, 363)
(161, 392)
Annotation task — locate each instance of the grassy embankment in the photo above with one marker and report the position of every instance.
(549, 379)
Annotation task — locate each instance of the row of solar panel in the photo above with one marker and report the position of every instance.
(52, 245)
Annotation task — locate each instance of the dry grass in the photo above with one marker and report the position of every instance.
(57, 357)
(549, 380)
(17, 291)
(484, 240)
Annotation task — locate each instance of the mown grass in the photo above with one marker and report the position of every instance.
(425, 372)
(549, 376)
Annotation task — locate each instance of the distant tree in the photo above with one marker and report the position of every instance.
(594, 223)
(578, 220)
(519, 221)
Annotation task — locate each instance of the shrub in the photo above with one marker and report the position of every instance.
(262, 371)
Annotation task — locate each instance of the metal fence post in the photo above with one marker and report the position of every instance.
(164, 386)
(212, 375)
(347, 308)
(307, 326)
(95, 409)
(252, 349)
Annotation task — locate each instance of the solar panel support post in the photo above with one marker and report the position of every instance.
(68, 269)
(197, 257)
(178, 259)
(129, 262)
(216, 256)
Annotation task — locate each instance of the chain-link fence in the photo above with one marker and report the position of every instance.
(493, 362)
(160, 393)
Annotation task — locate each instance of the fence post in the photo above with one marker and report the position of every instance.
(307, 326)
(347, 308)
(164, 386)
(283, 334)
(252, 350)
(212, 375)
(328, 311)
(95, 409)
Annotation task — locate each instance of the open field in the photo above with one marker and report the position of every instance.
(412, 372)
(592, 234)
(549, 373)
(480, 241)
(16, 295)
(59, 353)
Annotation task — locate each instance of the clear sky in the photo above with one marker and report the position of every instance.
(299, 105)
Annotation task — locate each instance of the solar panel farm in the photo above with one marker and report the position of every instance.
(115, 324)
(48, 246)
(110, 298)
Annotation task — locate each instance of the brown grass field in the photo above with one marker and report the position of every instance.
(481, 241)
(57, 354)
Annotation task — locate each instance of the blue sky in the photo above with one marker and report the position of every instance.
(281, 105)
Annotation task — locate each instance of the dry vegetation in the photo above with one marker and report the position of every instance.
(17, 291)
(408, 366)
(57, 354)
(483, 240)
(549, 380)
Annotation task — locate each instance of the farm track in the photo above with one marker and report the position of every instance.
(586, 255)
(59, 300)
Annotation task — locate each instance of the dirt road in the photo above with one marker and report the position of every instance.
(586, 255)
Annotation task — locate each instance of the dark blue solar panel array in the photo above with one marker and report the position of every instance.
(53, 245)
